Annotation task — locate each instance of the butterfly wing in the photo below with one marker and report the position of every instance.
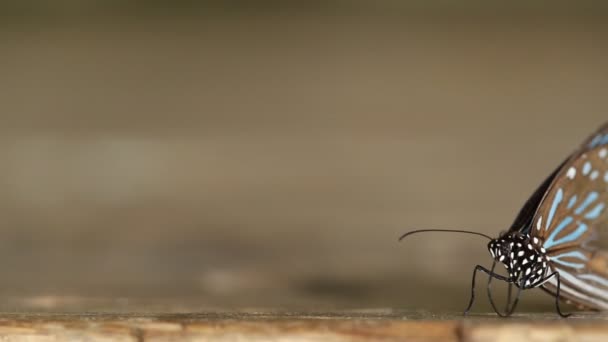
(523, 221)
(571, 222)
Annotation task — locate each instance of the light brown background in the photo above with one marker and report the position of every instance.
(270, 155)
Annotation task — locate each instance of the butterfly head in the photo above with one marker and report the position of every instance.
(523, 258)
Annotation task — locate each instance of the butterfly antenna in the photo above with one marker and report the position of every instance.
(442, 230)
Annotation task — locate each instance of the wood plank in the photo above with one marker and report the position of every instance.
(376, 325)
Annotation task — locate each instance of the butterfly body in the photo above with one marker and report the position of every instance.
(523, 258)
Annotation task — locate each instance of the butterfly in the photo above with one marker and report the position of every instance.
(558, 241)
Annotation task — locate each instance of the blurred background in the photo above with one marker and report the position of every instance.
(269, 154)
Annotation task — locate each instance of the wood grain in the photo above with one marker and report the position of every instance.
(252, 325)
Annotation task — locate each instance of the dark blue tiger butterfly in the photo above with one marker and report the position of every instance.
(558, 240)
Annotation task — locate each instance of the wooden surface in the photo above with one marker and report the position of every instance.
(258, 325)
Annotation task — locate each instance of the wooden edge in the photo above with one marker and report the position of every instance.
(95, 327)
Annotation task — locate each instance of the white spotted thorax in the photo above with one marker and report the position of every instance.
(523, 257)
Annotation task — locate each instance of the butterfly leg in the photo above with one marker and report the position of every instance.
(509, 292)
(557, 308)
(510, 307)
(489, 292)
(488, 272)
(516, 300)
